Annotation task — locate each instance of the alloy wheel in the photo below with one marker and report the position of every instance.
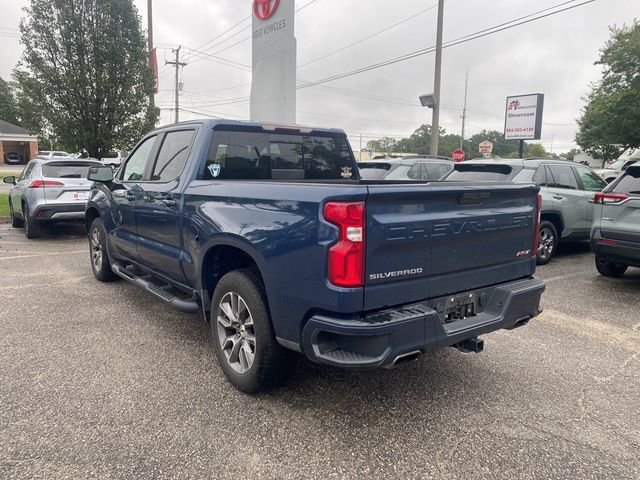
(546, 243)
(236, 332)
(96, 249)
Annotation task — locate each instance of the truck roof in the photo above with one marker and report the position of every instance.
(212, 123)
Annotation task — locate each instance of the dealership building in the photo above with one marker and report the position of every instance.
(14, 139)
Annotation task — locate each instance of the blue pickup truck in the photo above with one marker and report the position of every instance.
(269, 231)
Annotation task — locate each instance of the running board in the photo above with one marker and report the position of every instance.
(180, 304)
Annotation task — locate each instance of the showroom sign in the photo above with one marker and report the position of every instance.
(273, 86)
(523, 117)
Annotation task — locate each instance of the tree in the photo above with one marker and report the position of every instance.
(534, 150)
(84, 76)
(571, 154)
(8, 110)
(610, 122)
(501, 147)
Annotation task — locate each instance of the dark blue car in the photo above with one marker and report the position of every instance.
(271, 233)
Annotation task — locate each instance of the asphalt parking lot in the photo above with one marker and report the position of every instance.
(101, 381)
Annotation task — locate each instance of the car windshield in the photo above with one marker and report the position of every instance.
(77, 169)
(111, 155)
(618, 164)
(44, 152)
(60, 154)
(482, 172)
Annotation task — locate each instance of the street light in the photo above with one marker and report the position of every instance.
(427, 100)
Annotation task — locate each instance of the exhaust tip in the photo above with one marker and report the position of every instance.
(404, 358)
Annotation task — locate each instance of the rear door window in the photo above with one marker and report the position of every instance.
(629, 183)
(435, 171)
(540, 177)
(255, 155)
(173, 155)
(563, 177)
(590, 180)
(26, 173)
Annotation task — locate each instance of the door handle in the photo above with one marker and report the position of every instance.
(169, 202)
(126, 195)
(558, 197)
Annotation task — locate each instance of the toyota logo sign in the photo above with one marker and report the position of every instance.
(264, 9)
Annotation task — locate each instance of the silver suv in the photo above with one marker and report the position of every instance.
(49, 191)
(567, 190)
(615, 234)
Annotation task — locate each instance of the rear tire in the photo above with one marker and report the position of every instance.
(98, 254)
(609, 269)
(32, 227)
(15, 221)
(243, 335)
(547, 242)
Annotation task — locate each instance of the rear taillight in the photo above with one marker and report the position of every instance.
(536, 230)
(45, 183)
(346, 256)
(607, 198)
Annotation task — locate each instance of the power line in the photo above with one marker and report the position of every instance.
(379, 32)
(224, 33)
(238, 32)
(457, 41)
(465, 38)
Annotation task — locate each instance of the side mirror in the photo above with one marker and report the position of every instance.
(100, 174)
(9, 179)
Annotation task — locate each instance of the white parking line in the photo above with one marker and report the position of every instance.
(47, 284)
(42, 255)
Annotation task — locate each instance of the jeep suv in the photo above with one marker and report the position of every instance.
(615, 234)
(567, 190)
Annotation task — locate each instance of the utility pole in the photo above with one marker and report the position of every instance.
(435, 122)
(177, 64)
(360, 147)
(551, 150)
(152, 101)
(464, 109)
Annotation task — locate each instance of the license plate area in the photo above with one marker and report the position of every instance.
(459, 307)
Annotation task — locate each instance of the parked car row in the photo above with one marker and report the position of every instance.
(578, 203)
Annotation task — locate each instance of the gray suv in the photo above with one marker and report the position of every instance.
(615, 234)
(567, 191)
(49, 191)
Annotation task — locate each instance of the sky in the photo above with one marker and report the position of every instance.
(554, 56)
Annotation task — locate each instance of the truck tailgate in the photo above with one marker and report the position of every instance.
(425, 241)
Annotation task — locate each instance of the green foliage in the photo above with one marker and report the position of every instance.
(84, 76)
(610, 122)
(501, 147)
(4, 204)
(385, 144)
(8, 110)
(420, 141)
(571, 154)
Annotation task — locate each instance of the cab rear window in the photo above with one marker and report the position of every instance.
(482, 173)
(252, 155)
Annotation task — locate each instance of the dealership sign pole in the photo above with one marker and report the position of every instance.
(273, 88)
(523, 118)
